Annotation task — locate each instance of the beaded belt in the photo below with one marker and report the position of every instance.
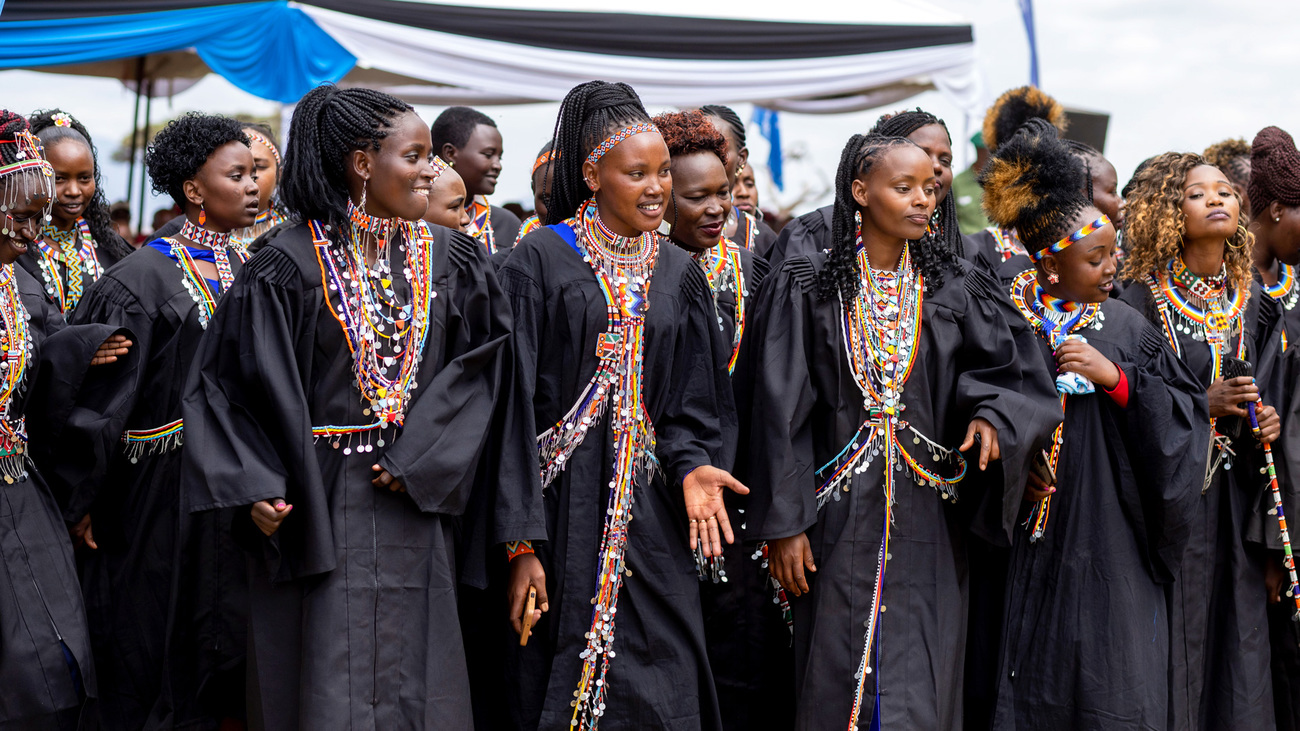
(153, 442)
(338, 435)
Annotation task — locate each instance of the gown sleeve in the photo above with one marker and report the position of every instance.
(247, 421)
(1164, 429)
(780, 446)
(1002, 380)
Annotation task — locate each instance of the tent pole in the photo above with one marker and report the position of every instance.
(144, 145)
(135, 130)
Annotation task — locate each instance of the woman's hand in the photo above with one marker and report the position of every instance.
(1227, 396)
(386, 479)
(1076, 356)
(1270, 425)
(82, 534)
(526, 571)
(268, 516)
(1036, 489)
(109, 350)
(1275, 578)
(786, 560)
(988, 438)
(702, 490)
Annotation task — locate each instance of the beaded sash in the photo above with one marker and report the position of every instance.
(139, 443)
(75, 250)
(480, 223)
(882, 335)
(15, 355)
(1207, 310)
(623, 270)
(722, 267)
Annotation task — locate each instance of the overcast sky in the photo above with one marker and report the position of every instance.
(1173, 74)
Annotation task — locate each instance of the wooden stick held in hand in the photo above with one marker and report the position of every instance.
(528, 616)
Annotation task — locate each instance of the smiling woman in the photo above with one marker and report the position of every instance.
(470, 142)
(605, 310)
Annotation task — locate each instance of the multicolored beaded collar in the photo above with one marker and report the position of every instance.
(618, 137)
(1066, 242)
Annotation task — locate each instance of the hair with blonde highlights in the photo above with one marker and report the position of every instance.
(1155, 225)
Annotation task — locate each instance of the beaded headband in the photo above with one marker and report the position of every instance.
(440, 166)
(259, 137)
(30, 155)
(618, 137)
(1064, 243)
(542, 159)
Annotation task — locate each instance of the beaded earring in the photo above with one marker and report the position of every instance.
(1053, 277)
(203, 215)
(362, 205)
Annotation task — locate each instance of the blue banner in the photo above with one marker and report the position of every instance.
(769, 125)
(1027, 14)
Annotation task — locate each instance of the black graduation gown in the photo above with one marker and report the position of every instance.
(763, 236)
(505, 229)
(46, 669)
(807, 234)
(353, 601)
(163, 592)
(971, 363)
(108, 256)
(660, 677)
(1218, 625)
(981, 250)
(1086, 639)
(745, 632)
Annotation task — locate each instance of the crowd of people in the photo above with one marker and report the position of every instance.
(345, 445)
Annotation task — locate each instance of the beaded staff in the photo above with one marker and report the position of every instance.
(1073, 238)
(1288, 559)
(1006, 243)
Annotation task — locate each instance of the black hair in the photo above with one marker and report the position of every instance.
(1034, 184)
(589, 113)
(46, 128)
(903, 124)
(181, 148)
(329, 124)
(931, 256)
(1014, 107)
(455, 126)
(1133, 181)
(730, 118)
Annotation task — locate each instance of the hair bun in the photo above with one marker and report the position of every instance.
(1014, 108)
(1033, 183)
(1274, 169)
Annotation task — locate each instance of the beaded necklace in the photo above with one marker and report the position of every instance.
(195, 283)
(480, 223)
(15, 354)
(722, 267)
(383, 331)
(1006, 242)
(623, 268)
(882, 335)
(1207, 310)
(75, 250)
(265, 221)
(1285, 290)
(1054, 319)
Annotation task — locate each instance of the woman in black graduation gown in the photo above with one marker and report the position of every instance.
(342, 401)
(811, 232)
(78, 244)
(605, 311)
(1275, 196)
(161, 590)
(746, 229)
(46, 668)
(470, 141)
(1189, 263)
(745, 632)
(1085, 643)
(854, 455)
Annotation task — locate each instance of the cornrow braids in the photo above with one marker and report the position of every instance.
(903, 124)
(455, 126)
(328, 124)
(840, 274)
(1274, 170)
(730, 118)
(1154, 225)
(589, 113)
(1034, 184)
(54, 126)
(1086, 153)
(689, 132)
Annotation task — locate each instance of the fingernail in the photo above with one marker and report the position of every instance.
(279, 506)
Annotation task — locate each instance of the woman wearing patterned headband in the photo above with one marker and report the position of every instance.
(746, 228)
(745, 632)
(541, 185)
(45, 656)
(876, 365)
(266, 165)
(351, 399)
(160, 633)
(1189, 265)
(447, 198)
(1114, 486)
(627, 377)
(78, 243)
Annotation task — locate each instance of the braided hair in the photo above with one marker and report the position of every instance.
(932, 257)
(50, 132)
(1034, 184)
(1274, 170)
(903, 124)
(329, 124)
(181, 148)
(589, 113)
(728, 117)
